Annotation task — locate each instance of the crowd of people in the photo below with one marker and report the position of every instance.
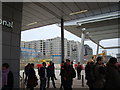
(102, 76)
(67, 74)
(99, 76)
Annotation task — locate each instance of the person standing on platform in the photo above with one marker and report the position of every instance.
(112, 75)
(79, 69)
(50, 74)
(89, 74)
(32, 78)
(99, 74)
(43, 76)
(54, 72)
(62, 70)
(7, 77)
(69, 74)
(26, 70)
(71, 63)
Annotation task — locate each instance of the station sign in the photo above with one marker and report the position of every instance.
(6, 23)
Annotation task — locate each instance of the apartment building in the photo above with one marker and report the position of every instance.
(51, 49)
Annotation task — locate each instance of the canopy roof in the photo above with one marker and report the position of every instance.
(99, 18)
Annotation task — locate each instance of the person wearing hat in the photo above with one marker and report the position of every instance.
(112, 75)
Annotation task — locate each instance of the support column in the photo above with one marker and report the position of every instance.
(81, 47)
(11, 34)
(62, 39)
(97, 49)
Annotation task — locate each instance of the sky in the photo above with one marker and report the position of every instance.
(52, 31)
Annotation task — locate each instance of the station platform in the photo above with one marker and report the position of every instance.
(77, 84)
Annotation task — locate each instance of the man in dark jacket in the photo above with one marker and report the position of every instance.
(79, 69)
(112, 75)
(32, 78)
(62, 70)
(51, 74)
(26, 70)
(99, 74)
(89, 74)
(69, 74)
(43, 76)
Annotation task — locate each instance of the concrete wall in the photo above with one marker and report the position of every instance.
(12, 11)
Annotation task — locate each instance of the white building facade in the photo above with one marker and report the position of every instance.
(51, 49)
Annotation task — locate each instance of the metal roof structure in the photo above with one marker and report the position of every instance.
(97, 28)
(99, 18)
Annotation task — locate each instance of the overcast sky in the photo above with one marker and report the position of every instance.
(52, 31)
